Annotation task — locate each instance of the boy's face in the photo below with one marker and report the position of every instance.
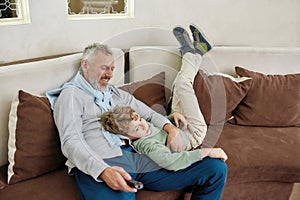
(138, 128)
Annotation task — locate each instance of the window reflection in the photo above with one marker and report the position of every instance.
(83, 9)
(96, 6)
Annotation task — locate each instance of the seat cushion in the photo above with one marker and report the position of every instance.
(260, 153)
(52, 185)
(258, 190)
(59, 185)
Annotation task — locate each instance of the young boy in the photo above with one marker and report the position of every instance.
(149, 140)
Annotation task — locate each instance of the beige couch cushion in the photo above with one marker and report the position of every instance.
(35, 77)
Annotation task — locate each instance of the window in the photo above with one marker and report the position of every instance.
(91, 9)
(14, 12)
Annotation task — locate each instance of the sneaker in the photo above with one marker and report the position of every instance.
(201, 44)
(184, 40)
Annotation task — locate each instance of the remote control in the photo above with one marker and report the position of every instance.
(136, 184)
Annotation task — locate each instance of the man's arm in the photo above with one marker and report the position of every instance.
(68, 113)
(124, 98)
(68, 117)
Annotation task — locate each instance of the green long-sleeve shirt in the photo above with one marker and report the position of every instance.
(154, 147)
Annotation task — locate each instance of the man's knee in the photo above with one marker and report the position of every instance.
(217, 167)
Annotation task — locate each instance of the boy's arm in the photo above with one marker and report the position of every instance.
(163, 156)
(170, 118)
(166, 159)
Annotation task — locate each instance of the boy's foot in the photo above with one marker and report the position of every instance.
(184, 40)
(201, 44)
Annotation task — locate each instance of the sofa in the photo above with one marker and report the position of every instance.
(254, 117)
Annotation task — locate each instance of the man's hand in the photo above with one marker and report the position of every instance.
(213, 153)
(115, 178)
(180, 120)
(174, 140)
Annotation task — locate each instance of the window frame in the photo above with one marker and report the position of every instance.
(23, 19)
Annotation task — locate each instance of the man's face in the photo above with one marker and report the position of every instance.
(138, 127)
(98, 70)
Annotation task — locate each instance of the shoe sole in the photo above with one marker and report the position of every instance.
(179, 31)
(194, 27)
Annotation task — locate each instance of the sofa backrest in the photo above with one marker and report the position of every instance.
(145, 61)
(37, 78)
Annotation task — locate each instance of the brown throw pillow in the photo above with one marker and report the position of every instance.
(150, 91)
(218, 95)
(34, 145)
(273, 100)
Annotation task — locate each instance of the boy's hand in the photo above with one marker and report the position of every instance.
(174, 139)
(213, 153)
(179, 118)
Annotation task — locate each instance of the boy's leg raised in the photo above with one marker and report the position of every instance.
(184, 99)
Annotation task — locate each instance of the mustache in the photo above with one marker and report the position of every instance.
(105, 77)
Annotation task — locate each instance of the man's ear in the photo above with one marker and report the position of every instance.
(83, 65)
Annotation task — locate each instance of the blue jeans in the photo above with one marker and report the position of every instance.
(207, 177)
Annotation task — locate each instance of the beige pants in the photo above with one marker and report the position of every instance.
(185, 101)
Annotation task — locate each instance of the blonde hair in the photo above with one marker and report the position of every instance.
(117, 119)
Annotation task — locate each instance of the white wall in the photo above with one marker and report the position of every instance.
(260, 23)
